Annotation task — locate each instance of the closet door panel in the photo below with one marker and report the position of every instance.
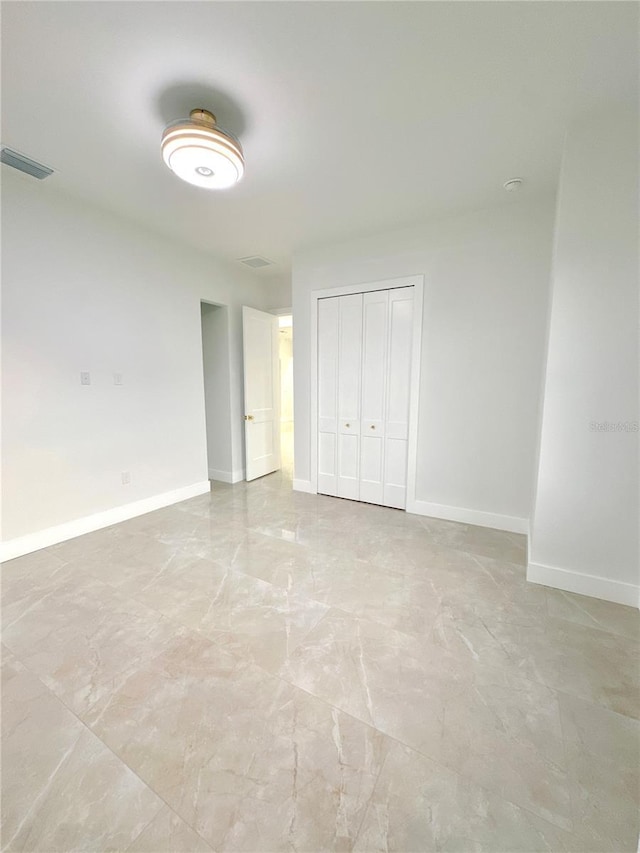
(349, 390)
(327, 456)
(328, 328)
(375, 311)
(348, 479)
(395, 473)
(400, 329)
(349, 357)
(374, 357)
(364, 382)
(372, 470)
(398, 397)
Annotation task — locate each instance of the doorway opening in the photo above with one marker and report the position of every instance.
(217, 392)
(286, 393)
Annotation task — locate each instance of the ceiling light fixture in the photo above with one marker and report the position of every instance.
(201, 153)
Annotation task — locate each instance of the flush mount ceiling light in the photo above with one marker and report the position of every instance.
(201, 153)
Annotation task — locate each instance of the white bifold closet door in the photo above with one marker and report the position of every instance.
(364, 373)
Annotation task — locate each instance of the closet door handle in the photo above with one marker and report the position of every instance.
(347, 425)
(372, 426)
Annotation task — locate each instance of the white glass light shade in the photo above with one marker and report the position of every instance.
(202, 154)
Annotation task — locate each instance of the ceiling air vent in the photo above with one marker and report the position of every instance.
(24, 164)
(255, 262)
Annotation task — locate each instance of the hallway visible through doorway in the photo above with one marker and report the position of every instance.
(286, 393)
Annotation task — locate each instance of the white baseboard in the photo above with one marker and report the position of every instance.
(226, 476)
(592, 585)
(11, 548)
(510, 523)
(303, 486)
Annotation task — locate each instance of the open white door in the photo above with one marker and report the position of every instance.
(261, 392)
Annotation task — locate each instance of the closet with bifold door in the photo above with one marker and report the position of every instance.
(364, 382)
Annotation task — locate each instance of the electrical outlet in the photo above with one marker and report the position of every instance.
(85, 378)
(117, 379)
(126, 478)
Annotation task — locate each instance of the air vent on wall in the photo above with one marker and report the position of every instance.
(255, 262)
(24, 164)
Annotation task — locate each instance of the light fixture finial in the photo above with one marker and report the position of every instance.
(205, 116)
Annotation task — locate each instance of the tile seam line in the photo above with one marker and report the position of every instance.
(241, 658)
(135, 598)
(115, 755)
(418, 752)
(578, 831)
(316, 697)
(279, 677)
(592, 704)
(488, 666)
(177, 622)
(565, 751)
(422, 754)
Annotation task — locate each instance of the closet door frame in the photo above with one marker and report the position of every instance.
(417, 282)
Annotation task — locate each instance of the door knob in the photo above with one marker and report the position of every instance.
(248, 417)
(347, 425)
(372, 426)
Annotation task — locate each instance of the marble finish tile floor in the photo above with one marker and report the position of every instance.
(262, 670)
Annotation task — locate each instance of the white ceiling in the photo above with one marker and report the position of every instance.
(354, 116)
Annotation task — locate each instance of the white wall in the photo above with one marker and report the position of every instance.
(279, 293)
(217, 393)
(86, 291)
(484, 327)
(585, 530)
